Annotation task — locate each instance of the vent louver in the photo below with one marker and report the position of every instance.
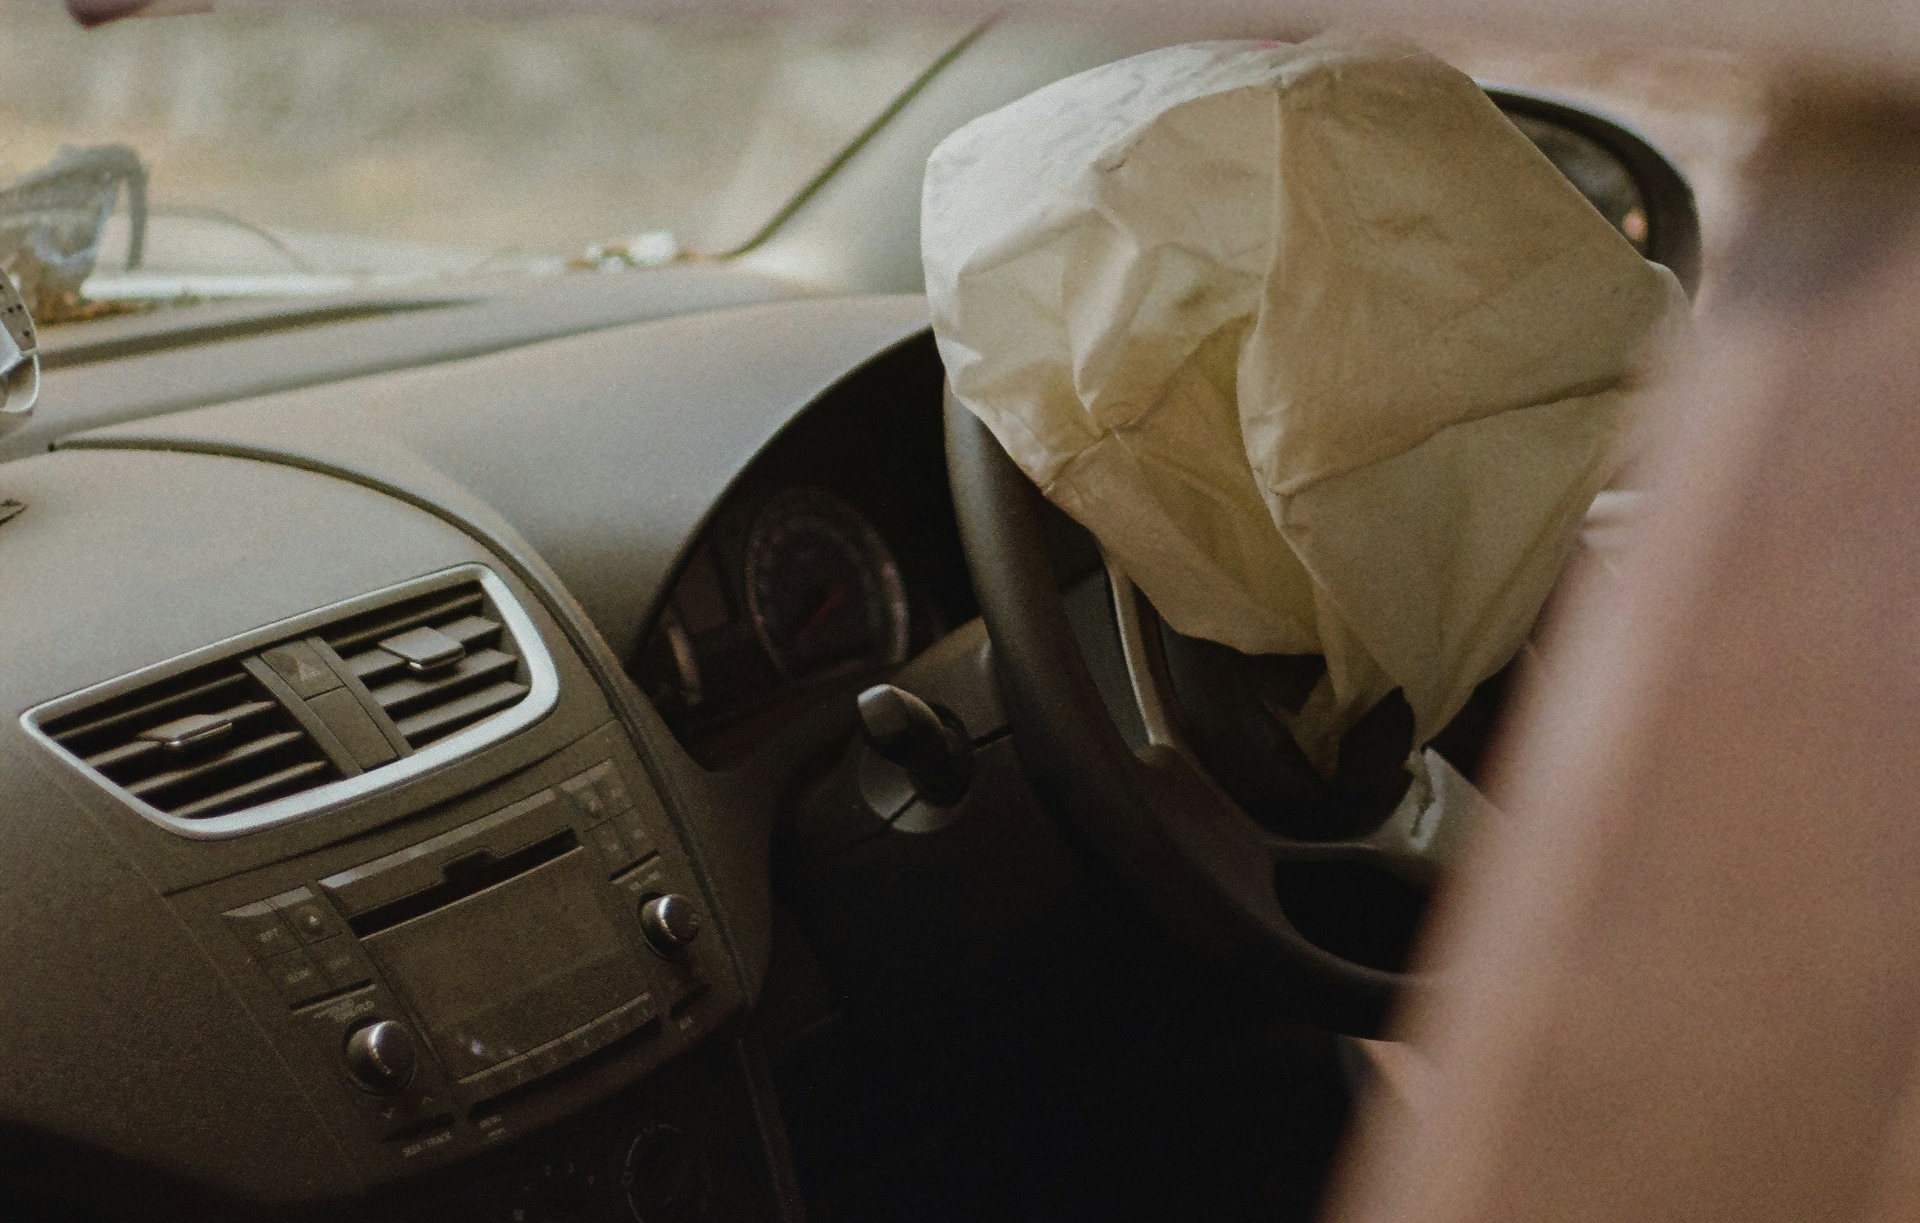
(271, 726)
(202, 744)
(434, 664)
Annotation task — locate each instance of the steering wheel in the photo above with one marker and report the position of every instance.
(1158, 815)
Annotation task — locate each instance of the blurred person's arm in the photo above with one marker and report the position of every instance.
(1682, 979)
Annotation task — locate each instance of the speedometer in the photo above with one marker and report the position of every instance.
(822, 588)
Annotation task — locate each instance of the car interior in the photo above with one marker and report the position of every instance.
(633, 747)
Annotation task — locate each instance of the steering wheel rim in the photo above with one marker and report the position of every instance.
(1174, 838)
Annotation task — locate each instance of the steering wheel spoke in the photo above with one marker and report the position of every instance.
(1419, 839)
(1143, 678)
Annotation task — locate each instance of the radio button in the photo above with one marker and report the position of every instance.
(606, 838)
(341, 962)
(296, 977)
(410, 1112)
(261, 929)
(613, 790)
(587, 795)
(580, 1042)
(502, 1076)
(311, 918)
(515, 1071)
(639, 841)
(545, 1060)
(592, 1038)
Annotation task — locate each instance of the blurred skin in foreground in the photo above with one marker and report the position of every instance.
(1679, 982)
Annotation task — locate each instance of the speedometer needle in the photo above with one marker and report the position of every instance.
(820, 614)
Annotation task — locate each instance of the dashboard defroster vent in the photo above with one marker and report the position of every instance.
(313, 711)
(201, 744)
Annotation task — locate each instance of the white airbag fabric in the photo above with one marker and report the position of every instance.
(1326, 355)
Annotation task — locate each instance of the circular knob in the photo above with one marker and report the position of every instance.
(670, 923)
(380, 1056)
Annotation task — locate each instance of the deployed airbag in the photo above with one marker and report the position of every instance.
(1324, 352)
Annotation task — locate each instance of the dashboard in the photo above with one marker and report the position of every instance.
(298, 804)
(346, 864)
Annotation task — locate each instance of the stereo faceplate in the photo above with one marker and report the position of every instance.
(502, 947)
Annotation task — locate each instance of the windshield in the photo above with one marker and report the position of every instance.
(288, 149)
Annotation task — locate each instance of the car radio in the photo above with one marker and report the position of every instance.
(438, 996)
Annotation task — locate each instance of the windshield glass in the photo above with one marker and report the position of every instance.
(292, 149)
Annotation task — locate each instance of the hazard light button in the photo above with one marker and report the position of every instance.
(302, 667)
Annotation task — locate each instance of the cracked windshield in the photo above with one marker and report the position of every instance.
(281, 150)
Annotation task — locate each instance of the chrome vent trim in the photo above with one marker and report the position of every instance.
(491, 720)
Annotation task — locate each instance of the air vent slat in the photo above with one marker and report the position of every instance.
(72, 736)
(162, 782)
(143, 746)
(410, 692)
(127, 752)
(442, 720)
(372, 666)
(439, 608)
(369, 665)
(470, 631)
(257, 790)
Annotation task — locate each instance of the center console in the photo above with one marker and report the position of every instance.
(443, 996)
(470, 968)
(338, 866)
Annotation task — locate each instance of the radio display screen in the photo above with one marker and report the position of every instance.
(505, 970)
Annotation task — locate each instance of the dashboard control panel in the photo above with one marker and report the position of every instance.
(535, 947)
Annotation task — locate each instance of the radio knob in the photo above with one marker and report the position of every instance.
(380, 1056)
(670, 923)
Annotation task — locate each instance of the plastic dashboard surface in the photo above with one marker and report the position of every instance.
(604, 451)
(146, 365)
(143, 1028)
(608, 451)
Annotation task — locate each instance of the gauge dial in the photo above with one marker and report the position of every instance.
(822, 588)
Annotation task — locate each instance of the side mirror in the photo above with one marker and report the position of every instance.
(1632, 184)
(19, 359)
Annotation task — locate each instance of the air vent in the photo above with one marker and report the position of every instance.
(201, 744)
(436, 663)
(271, 726)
